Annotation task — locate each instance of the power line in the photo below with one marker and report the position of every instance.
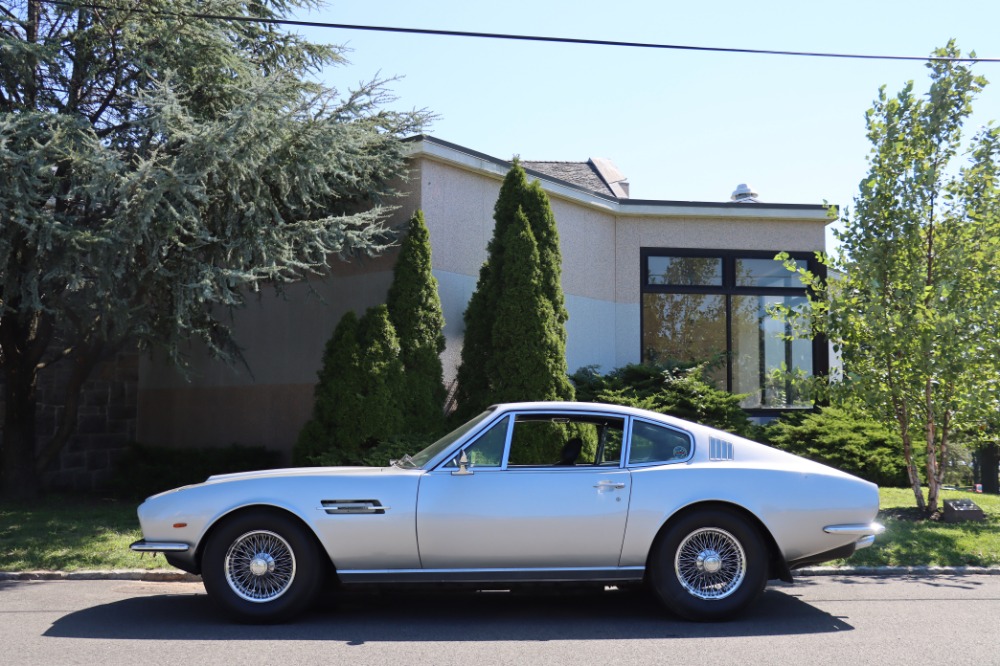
(523, 38)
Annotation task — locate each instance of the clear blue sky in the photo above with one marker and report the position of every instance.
(680, 125)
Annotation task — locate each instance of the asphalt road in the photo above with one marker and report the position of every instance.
(916, 621)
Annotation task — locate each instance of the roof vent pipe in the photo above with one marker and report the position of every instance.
(744, 194)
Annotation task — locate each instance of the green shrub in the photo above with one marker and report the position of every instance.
(147, 470)
(358, 394)
(415, 310)
(677, 391)
(380, 454)
(524, 232)
(845, 439)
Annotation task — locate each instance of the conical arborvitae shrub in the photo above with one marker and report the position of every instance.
(415, 310)
(529, 359)
(336, 401)
(357, 397)
(476, 383)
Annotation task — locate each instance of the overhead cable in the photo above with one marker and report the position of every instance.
(523, 38)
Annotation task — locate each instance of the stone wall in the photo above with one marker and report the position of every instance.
(106, 422)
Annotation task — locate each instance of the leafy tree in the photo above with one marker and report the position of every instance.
(357, 397)
(158, 168)
(415, 310)
(914, 316)
(476, 385)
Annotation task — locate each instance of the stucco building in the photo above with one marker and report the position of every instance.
(643, 280)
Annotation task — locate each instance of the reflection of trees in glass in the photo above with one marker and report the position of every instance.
(686, 328)
(767, 273)
(693, 271)
(768, 362)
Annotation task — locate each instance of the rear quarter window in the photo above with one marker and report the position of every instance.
(653, 443)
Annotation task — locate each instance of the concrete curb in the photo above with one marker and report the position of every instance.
(147, 575)
(897, 571)
(173, 576)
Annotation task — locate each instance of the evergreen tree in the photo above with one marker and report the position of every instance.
(415, 311)
(357, 397)
(529, 358)
(337, 398)
(475, 383)
(157, 169)
(381, 378)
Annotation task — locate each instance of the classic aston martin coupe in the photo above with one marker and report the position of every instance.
(522, 493)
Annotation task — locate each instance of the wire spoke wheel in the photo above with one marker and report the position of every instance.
(710, 563)
(260, 566)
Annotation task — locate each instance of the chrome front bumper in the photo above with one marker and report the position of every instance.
(143, 546)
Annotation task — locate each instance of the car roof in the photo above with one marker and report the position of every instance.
(604, 407)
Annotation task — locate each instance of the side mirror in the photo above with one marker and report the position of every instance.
(463, 466)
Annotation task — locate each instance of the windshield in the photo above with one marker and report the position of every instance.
(431, 452)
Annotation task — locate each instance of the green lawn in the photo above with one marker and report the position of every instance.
(73, 533)
(908, 542)
(70, 533)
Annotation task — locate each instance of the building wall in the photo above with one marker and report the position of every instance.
(284, 337)
(267, 402)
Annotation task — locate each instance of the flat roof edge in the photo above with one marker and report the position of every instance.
(642, 207)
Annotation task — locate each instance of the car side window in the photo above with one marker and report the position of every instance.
(487, 450)
(653, 443)
(565, 441)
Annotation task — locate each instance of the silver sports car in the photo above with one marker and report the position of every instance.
(524, 492)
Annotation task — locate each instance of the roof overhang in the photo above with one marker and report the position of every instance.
(428, 147)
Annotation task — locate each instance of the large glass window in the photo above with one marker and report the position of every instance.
(718, 309)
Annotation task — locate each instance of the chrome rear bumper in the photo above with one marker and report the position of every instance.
(859, 529)
(867, 532)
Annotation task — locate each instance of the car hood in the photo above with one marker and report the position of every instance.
(301, 471)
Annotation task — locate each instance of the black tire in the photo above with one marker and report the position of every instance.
(709, 565)
(262, 567)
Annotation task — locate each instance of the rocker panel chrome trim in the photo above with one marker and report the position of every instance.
(490, 575)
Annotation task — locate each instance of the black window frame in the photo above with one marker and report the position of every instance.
(729, 288)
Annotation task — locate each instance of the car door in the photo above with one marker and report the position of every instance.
(537, 490)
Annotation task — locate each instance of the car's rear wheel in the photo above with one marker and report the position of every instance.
(710, 564)
(261, 566)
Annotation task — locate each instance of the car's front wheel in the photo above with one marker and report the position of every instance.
(709, 565)
(261, 566)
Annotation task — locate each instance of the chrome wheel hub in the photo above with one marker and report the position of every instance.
(260, 566)
(710, 563)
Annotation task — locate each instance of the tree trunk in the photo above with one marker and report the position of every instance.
(911, 466)
(20, 482)
(989, 459)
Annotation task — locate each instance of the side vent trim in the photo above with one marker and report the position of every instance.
(344, 506)
(719, 449)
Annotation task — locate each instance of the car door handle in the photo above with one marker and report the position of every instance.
(609, 484)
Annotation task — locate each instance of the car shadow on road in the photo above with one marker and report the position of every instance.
(396, 616)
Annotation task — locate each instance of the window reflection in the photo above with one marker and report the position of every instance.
(686, 328)
(684, 271)
(766, 365)
(766, 273)
(716, 311)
